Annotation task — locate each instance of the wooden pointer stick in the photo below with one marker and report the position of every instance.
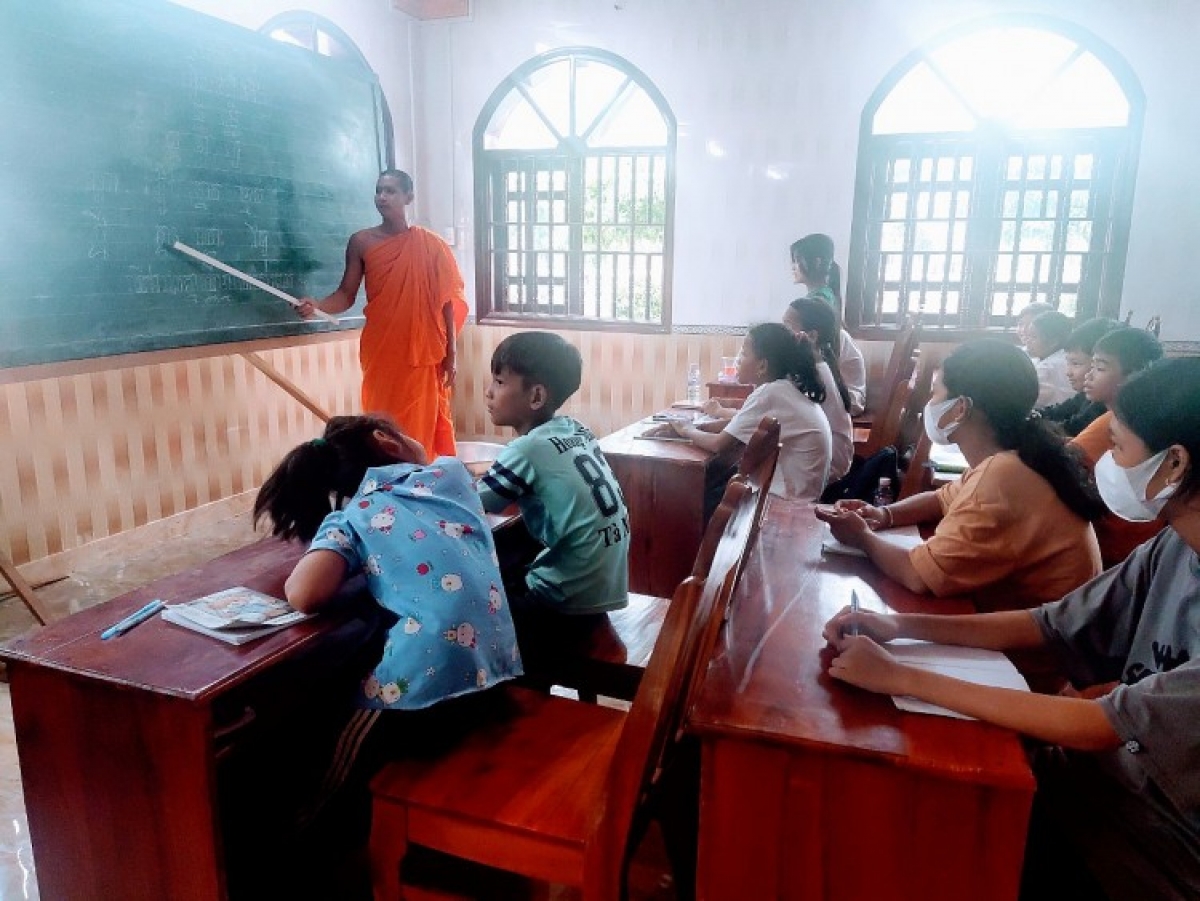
(248, 279)
(254, 359)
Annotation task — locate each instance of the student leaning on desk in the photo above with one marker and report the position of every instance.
(1118, 800)
(366, 498)
(1015, 529)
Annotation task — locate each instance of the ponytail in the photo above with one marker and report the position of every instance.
(816, 316)
(315, 478)
(1043, 447)
(1001, 382)
(788, 357)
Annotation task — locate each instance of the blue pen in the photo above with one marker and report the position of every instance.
(854, 612)
(122, 626)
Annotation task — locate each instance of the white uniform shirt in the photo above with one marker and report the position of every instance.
(806, 443)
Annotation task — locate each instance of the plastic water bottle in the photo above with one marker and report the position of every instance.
(693, 383)
(884, 494)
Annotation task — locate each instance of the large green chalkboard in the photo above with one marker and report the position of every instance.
(126, 125)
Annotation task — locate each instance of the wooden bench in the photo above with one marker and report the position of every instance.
(612, 660)
(557, 790)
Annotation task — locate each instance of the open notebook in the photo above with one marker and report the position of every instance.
(906, 537)
(969, 664)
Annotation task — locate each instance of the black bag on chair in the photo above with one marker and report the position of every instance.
(863, 478)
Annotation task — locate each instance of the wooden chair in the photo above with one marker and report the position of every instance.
(897, 371)
(612, 661)
(557, 791)
(885, 429)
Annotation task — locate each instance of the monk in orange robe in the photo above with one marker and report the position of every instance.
(416, 306)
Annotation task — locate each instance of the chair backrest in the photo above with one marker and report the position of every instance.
(885, 428)
(899, 362)
(917, 478)
(911, 427)
(758, 462)
(657, 709)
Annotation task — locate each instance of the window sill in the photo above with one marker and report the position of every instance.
(572, 323)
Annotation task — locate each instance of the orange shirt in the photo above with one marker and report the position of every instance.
(1006, 538)
(1118, 537)
(410, 278)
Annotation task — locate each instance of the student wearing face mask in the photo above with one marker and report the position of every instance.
(1117, 809)
(1015, 530)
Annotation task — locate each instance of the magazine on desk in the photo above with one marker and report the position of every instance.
(235, 615)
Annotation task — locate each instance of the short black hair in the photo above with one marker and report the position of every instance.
(406, 182)
(1085, 335)
(1053, 326)
(1134, 348)
(541, 358)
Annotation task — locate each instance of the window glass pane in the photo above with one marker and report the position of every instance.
(634, 121)
(900, 169)
(1080, 200)
(931, 236)
(1083, 166)
(1079, 236)
(517, 126)
(921, 102)
(892, 236)
(550, 89)
(1085, 95)
(999, 70)
(596, 84)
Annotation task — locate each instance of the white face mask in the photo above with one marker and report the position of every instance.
(1124, 490)
(933, 415)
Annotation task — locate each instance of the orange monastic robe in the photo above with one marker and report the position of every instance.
(410, 278)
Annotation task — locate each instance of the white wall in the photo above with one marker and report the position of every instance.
(777, 83)
(782, 83)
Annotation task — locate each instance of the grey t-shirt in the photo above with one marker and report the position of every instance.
(1139, 624)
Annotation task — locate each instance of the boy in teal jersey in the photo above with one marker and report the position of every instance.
(556, 473)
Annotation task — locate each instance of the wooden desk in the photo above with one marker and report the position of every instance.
(664, 484)
(812, 789)
(125, 744)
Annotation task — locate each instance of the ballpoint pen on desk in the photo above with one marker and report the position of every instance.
(137, 617)
(854, 612)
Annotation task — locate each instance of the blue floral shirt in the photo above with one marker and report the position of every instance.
(421, 536)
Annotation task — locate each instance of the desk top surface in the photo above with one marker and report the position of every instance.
(768, 682)
(630, 442)
(166, 659)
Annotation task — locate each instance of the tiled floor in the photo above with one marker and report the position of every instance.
(649, 876)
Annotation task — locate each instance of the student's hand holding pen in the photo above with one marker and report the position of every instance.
(839, 631)
(862, 662)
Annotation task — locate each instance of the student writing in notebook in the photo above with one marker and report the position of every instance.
(1014, 530)
(783, 370)
(1118, 797)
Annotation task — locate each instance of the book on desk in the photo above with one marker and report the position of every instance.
(235, 615)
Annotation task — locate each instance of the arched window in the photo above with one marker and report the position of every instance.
(322, 37)
(575, 192)
(995, 168)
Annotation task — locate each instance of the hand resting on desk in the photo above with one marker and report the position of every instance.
(882, 627)
(862, 662)
(849, 525)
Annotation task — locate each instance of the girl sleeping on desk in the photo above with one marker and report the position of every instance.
(1118, 801)
(365, 497)
(1015, 529)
